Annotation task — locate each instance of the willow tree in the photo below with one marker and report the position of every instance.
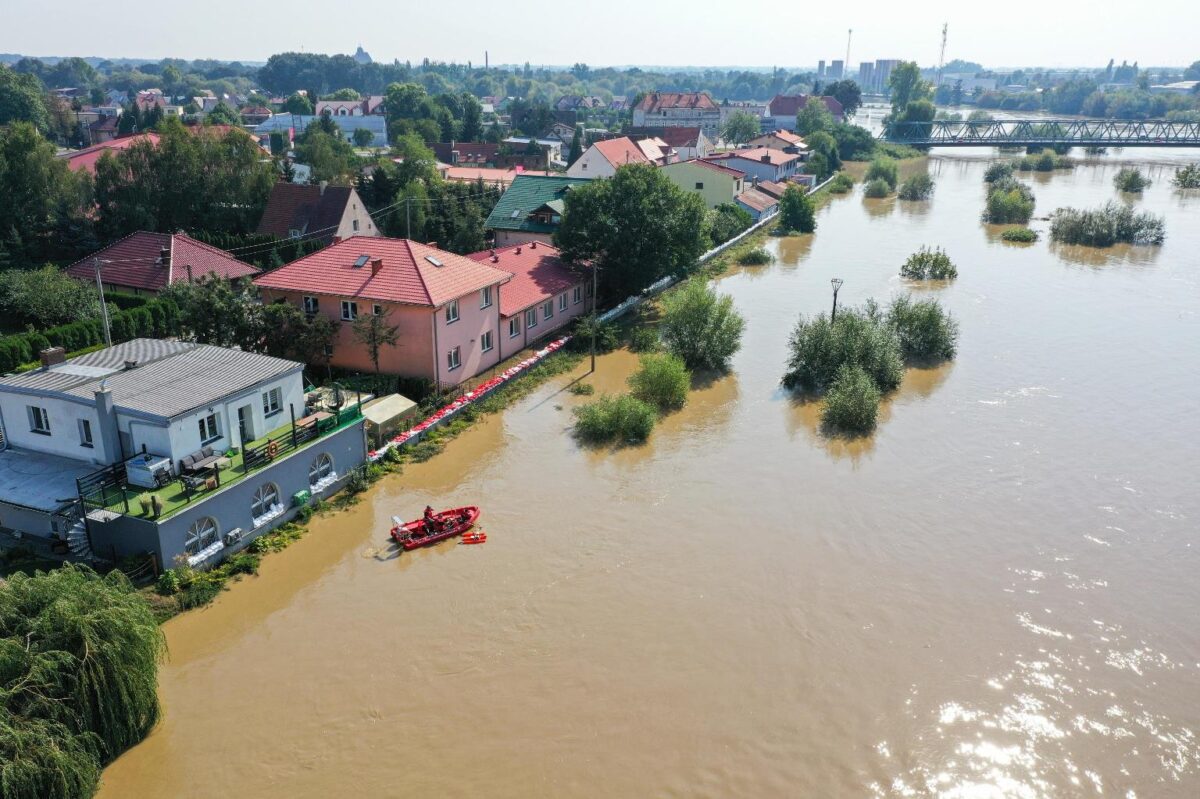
(79, 657)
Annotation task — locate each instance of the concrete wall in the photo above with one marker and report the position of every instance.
(511, 238)
(230, 506)
(356, 212)
(64, 438)
(26, 520)
(717, 188)
(592, 164)
(467, 335)
(511, 345)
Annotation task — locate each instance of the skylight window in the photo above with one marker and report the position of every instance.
(362, 261)
(515, 215)
(433, 260)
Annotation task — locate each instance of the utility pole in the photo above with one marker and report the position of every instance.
(103, 305)
(595, 316)
(837, 284)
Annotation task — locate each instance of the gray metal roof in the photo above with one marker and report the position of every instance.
(170, 378)
(36, 480)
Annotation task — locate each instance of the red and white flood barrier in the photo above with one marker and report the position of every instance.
(446, 412)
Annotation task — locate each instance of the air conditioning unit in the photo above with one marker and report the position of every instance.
(233, 536)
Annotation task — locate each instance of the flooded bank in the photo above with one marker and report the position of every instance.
(994, 595)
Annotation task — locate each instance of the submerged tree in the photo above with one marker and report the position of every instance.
(701, 327)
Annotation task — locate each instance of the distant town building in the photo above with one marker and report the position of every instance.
(782, 110)
(688, 143)
(678, 110)
(146, 263)
(531, 209)
(821, 68)
(318, 213)
(602, 159)
(836, 69)
(716, 183)
(866, 75)
(883, 73)
(362, 56)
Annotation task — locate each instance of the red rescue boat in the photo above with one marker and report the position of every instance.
(446, 524)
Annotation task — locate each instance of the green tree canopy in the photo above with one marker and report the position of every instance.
(21, 100)
(740, 127)
(298, 104)
(814, 117)
(846, 92)
(636, 227)
(701, 327)
(906, 85)
(43, 204)
(796, 211)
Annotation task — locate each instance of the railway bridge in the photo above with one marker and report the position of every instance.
(1045, 133)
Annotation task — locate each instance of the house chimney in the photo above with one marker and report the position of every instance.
(324, 184)
(108, 423)
(376, 266)
(337, 239)
(533, 245)
(52, 356)
(164, 257)
(518, 250)
(766, 158)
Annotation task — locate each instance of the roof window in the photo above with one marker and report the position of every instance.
(362, 261)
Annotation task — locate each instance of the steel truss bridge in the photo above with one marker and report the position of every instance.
(1046, 133)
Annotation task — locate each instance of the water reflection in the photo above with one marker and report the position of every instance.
(879, 208)
(791, 250)
(1116, 255)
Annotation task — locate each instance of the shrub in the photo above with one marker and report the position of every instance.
(168, 583)
(1022, 235)
(1131, 180)
(841, 184)
(608, 335)
(756, 257)
(918, 187)
(1187, 177)
(644, 339)
(997, 171)
(358, 482)
(852, 403)
(726, 221)
(883, 168)
(614, 418)
(797, 214)
(1045, 161)
(877, 189)
(925, 331)
(1105, 226)
(701, 327)
(662, 381)
(244, 563)
(1009, 200)
(927, 264)
(582, 389)
(818, 349)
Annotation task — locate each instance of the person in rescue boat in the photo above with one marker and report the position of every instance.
(430, 520)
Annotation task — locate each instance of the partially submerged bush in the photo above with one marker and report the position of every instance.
(1045, 161)
(927, 264)
(841, 184)
(797, 213)
(1102, 227)
(614, 419)
(662, 381)
(924, 329)
(852, 403)
(756, 257)
(818, 349)
(1131, 180)
(582, 389)
(608, 335)
(1021, 235)
(644, 339)
(998, 170)
(1187, 177)
(918, 187)
(701, 326)
(877, 189)
(1009, 200)
(884, 169)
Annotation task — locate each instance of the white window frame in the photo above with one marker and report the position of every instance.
(577, 295)
(354, 224)
(485, 342)
(202, 534)
(531, 320)
(453, 359)
(485, 297)
(349, 310)
(547, 310)
(85, 434)
(514, 327)
(452, 312)
(310, 304)
(320, 468)
(377, 310)
(210, 428)
(39, 420)
(266, 496)
(272, 402)
(562, 302)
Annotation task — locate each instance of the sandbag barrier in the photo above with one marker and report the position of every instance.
(484, 389)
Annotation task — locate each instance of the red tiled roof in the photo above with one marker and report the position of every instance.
(307, 209)
(657, 101)
(134, 262)
(784, 135)
(623, 150)
(774, 157)
(538, 275)
(674, 137)
(728, 170)
(788, 105)
(469, 174)
(88, 156)
(771, 188)
(407, 276)
(759, 201)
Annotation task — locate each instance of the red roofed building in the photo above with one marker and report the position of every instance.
(760, 162)
(543, 296)
(781, 139)
(759, 203)
(446, 307)
(688, 143)
(146, 263)
(678, 110)
(782, 110)
(602, 158)
(88, 156)
(319, 213)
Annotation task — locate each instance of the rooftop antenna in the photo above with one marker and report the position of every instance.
(846, 65)
(942, 55)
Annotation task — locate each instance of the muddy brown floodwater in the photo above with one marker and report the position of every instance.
(994, 596)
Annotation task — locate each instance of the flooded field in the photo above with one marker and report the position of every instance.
(994, 596)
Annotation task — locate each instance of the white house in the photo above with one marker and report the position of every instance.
(602, 158)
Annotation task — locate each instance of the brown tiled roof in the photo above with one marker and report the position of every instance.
(133, 262)
(307, 209)
(773, 157)
(658, 101)
(772, 188)
(621, 151)
(675, 137)
(788, 105)
(759, 201)
(726, 170)
(468, 152)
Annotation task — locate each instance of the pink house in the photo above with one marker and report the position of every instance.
(543, 296)
(446, 306)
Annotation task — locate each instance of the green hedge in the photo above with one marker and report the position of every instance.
(154, 318)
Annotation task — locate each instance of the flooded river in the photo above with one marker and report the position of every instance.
(994, 596)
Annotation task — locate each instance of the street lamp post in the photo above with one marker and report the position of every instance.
(837, 284)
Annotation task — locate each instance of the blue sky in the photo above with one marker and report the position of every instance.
(600, 32)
